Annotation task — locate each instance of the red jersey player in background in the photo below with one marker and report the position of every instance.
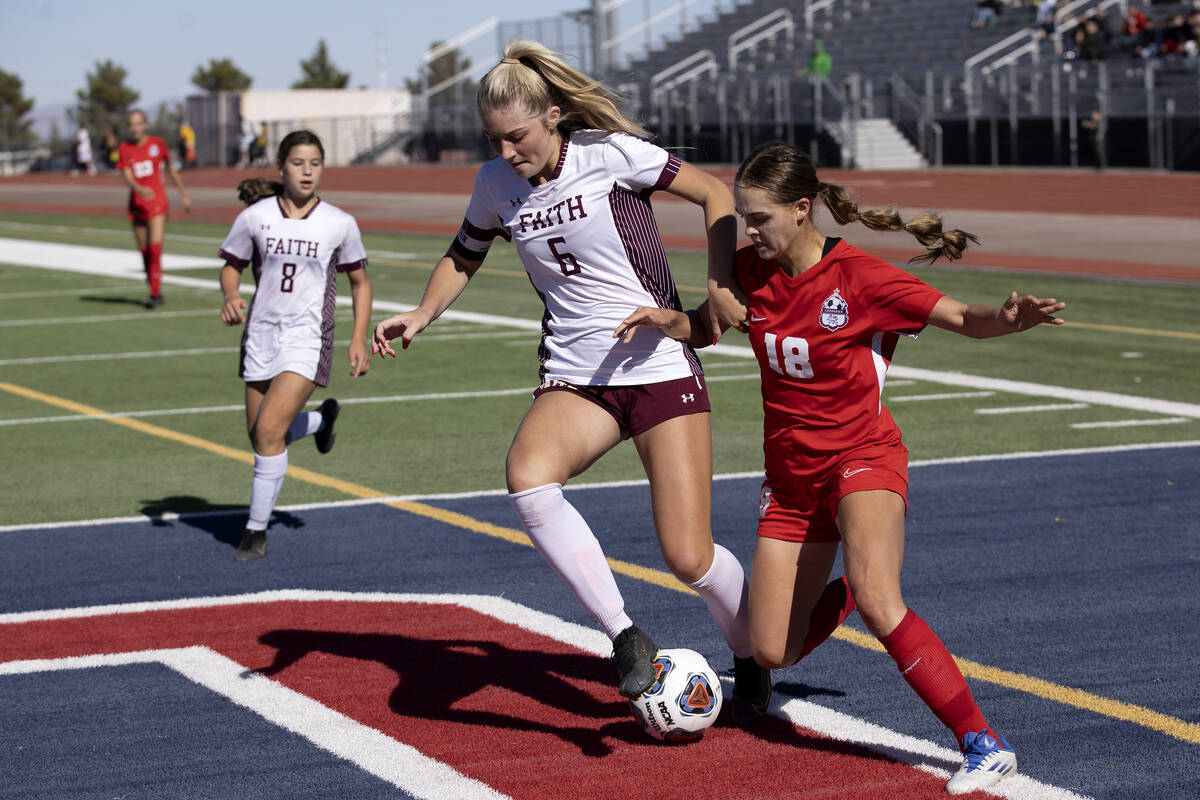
(141, 163)
(823, 319)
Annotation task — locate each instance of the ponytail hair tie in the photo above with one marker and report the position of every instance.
(507, 60)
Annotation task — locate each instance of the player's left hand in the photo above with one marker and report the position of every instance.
(1020, 313)
(360, 359)
(186, 202)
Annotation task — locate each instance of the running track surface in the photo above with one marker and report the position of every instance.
(1119, 224)
(1074, 569)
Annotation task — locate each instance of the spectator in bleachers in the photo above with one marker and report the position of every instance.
(1044, 18)
(1090, 41)
(987, 13)
(1135, 22)
(820, 63)
(1175, 33)
(1149, 42)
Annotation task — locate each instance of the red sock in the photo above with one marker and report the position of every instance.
(831, 610)
(930, 670)
(153, 258)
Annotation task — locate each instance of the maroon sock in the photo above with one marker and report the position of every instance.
(930, 670)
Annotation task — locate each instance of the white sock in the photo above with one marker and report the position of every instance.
(567, 544)
(306, 423)
(264, 489)
(726, 594)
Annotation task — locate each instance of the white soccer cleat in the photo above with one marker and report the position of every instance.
(986, 760)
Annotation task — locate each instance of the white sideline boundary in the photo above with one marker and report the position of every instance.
(126, 263)
(404, 766)
(577, 487)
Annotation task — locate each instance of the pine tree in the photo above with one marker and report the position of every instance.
(320, 72)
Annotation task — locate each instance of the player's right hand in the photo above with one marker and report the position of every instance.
(233, 312)
(398, 326)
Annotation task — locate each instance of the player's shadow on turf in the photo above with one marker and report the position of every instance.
(123, 301)
(472, 682)
(803, 690)
(223, 522)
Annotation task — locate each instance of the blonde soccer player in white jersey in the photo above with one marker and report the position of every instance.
(570, 187)
(296, 245)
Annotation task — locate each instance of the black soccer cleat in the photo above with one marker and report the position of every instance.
(154, 301)
(634, 653)
(325, 437)
(253, 546)
(751, 692)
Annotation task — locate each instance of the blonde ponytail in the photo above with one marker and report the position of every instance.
(535, 78)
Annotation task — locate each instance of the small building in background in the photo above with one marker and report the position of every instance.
(357, 126)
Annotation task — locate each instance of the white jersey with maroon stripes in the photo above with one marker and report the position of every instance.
(590, 244)
(289, 326)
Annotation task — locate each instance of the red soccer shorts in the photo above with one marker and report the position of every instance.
(808, 512)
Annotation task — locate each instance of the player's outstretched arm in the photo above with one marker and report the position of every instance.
(979, 321)
(233, 312)
(447, 282)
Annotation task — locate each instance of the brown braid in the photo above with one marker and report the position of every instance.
(787, 174)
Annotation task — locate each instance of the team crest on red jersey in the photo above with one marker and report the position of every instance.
(834, 312)
(153, 150)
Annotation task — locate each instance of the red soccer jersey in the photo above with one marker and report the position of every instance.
(824, 340)
(146, 160)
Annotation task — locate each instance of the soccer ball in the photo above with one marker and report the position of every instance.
(684, 699)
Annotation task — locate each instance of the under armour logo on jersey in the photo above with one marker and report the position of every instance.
(515, 201)
(262, 226)
(687, 398)
(834, 312)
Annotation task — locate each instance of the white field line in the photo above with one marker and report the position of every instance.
(1129, 423)
(214, 242)
(404, 766)
(112, 287)
(577, 487)
(919, 753)
(22, 323)
(193, 351)
(370, 750)
(203, 351)
(98, 261)
(1031, 409)
(944, 396)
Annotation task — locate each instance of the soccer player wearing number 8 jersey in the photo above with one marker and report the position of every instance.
(570, 187)
(823, 319)
(141, 163)
(296, 245)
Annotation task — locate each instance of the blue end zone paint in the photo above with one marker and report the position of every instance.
(145, 731)
(1081, 570)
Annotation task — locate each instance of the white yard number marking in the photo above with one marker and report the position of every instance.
(795, 356)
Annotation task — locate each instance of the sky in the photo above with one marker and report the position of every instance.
(52, 44)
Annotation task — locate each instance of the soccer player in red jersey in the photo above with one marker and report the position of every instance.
(141, 163)
(823, 319)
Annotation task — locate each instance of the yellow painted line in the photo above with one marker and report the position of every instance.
(1092, 326)
(1114, 709)
(656, 577)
